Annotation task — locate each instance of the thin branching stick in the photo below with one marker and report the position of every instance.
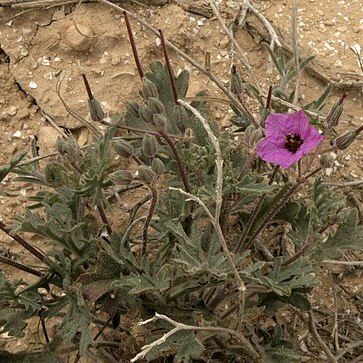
(243, 59)
(219, 200)
(180, 326)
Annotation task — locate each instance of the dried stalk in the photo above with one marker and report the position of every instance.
(180, 326)
(318, 338)
(189, 59)
(243, 59)
(219, 201)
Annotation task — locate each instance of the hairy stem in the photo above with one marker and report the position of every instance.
(170, 68)
(24, 243)
(105, 220)
(133, 45)
(154, 200)
(19, 266)
(88, 88)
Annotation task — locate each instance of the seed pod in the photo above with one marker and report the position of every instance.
(69, 148)
(146, 174)
(343, 141)
(133, 108)
(55, 174)
(96, 110)
(123, 148)
(158, 166)
(146, 114)
(181, 117)
(236, 81)
(160, 122)
(149, 89)
(149, 145)
(155, 105)
(121, 177)
(334, 115)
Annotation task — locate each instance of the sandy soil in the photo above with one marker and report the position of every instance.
(37, 44)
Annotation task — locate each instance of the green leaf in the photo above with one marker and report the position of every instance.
(5, 170)
(304, 62)
(95, 285)
(141, 283)
(347, 237)
(318, 104)
(301, 226)
(183, 344)
(283, 355)
(77, 319)
(13, 322)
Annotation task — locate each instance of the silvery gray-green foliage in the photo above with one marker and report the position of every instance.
(184, 273)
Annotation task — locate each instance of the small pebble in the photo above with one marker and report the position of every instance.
(33, 85)
(17, 134)
(12, 111)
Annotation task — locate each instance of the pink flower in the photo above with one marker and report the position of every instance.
(288, 137)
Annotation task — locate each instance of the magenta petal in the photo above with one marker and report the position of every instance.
(276, 124)
(273, 149)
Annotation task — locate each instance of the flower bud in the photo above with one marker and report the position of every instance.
(334, 115)
(69, 148)
(343, 141)
(133, 108)
(146, 174)
(123, 148)
(121, 177)
(181, 117)
(146, 114)
(55, 174)
(96, 110)
(158, 166)
(155, 105)
(149, 145)
(149, 89)
(160, 122)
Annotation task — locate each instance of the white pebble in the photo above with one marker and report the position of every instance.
(17, 134)
(33, 85)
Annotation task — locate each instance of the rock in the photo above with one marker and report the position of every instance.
(47, 138)
(77, 41)
(12, 111)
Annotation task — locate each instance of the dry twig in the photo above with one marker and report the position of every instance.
(180, 326)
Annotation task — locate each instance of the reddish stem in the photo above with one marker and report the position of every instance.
(24, 243)
(170, 68)
(133, 46)
(20, 266)
(104, 219)
(269, 96)
(88, 88)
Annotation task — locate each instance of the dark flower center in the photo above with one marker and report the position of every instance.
(293, 142)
